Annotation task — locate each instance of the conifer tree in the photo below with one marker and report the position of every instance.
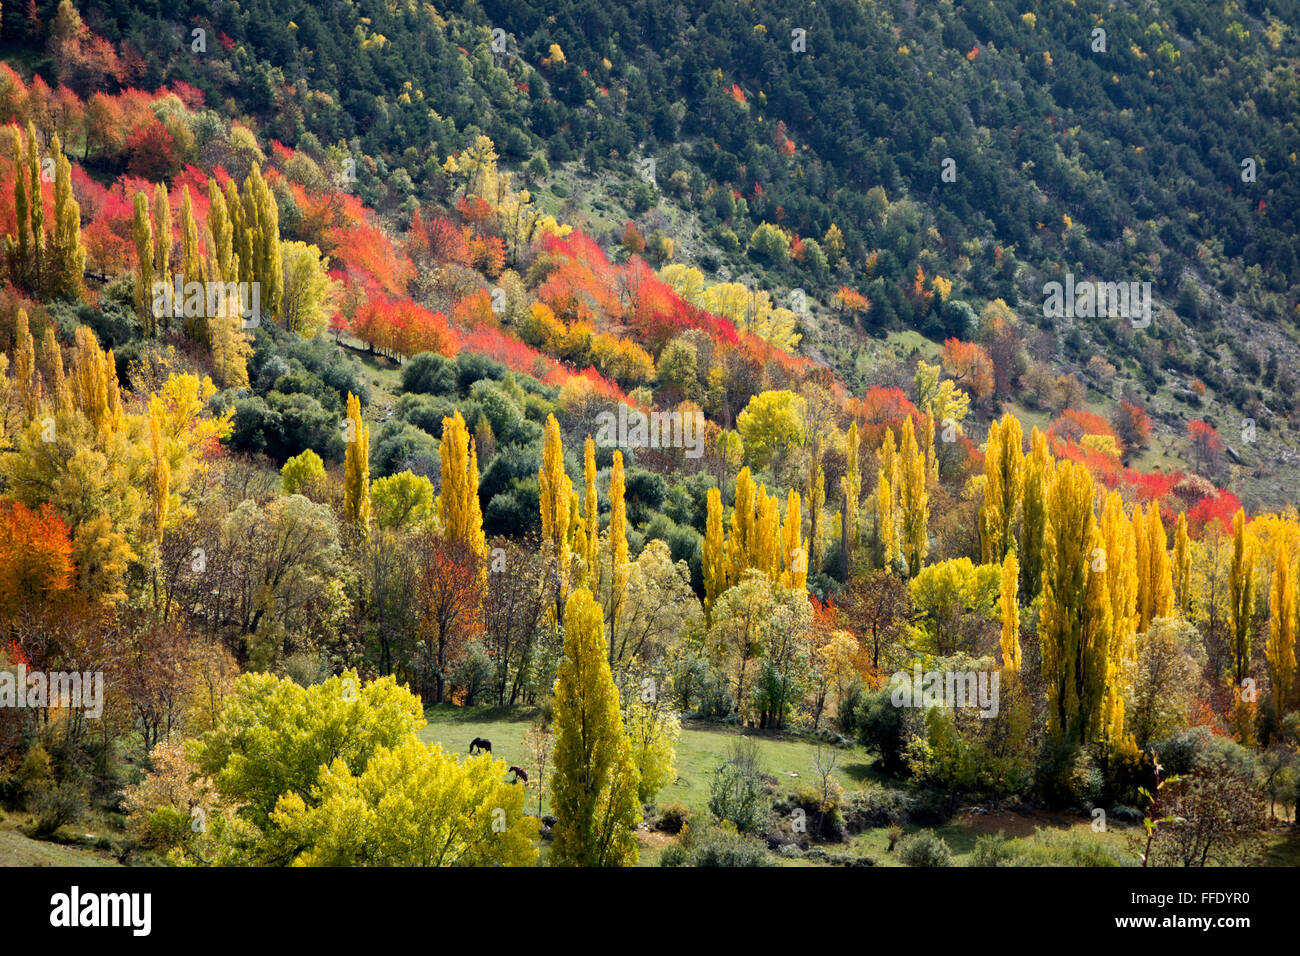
(1280, 650)
(594, 787)
(356, 469)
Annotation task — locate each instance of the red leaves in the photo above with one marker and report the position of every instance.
(36, 570)
(400, 327)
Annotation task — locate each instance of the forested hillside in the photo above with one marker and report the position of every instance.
(646, 373)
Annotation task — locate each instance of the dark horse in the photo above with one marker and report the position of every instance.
(480, 743)
(520, 776)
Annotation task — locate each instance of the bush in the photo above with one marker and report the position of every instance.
(54, 807)
(673, 818)
(736, 792)
(876, 806)
(430, 374)
(717, 846)
(924, 848)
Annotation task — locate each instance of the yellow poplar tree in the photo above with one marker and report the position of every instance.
(556, 499)
(1009, 606)
(1241, 595)
(458, 505)
(1003, 488)
(356, 469)
(740, 541)
(590, 538)
(1074, 622)
(915, 499)
(1182, 566)
(594, 787)
(1038, 470)
(67, 260)
(794, 559)
(851, 488)
(1280, 650)
(714, 554)
(142, 233)
(1119, 538)
(618, 552)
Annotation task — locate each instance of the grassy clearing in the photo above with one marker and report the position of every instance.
(18, 849)
(701, 748)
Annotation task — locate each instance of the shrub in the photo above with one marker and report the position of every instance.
(673, 818)
(736, 792)
(430, 374)
(924, 848)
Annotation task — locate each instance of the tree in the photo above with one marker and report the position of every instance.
(618, 553)
(1074, 622)
(67, 254)
(1182, 567)
(1003, 488)
(302, 473)
(1154, 574)
(142, 233)
(713, 553)
(652, 729)
(412, 805)
(556, 501)
(274, 738)
(1166, 681)
(1241, 596)
(402, 500)
(309, 293)
(356, 468)
(1280, 650)
(877, 606)
(448, 595)
(1120, 556)
(770, 425)
(851, 488)
(1038, 473)
(1009, 607)
(594, 787)
(458, 503)
(915, 500)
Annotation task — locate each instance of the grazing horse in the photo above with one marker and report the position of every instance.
(481, 744)
(520, 776)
